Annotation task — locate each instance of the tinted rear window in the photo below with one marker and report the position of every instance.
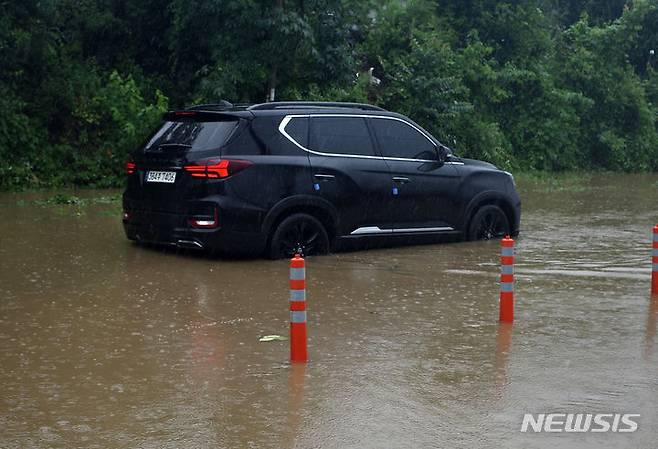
(297, 128)
(341, 135)
(193, 135)
(244, 143)
(266, 129)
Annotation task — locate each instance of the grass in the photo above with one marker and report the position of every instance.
(547, 182)
(69, 204)
(64, 199)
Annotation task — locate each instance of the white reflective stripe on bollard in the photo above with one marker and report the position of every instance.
(298, 317)
(506, 286)
(507, 269)
(507, 251)
(298, 295)
(297, 274)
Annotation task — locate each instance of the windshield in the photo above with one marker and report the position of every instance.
(193, 135)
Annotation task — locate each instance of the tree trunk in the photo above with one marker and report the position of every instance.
(271, 91)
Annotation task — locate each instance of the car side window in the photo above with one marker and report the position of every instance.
(398, 139)
(297, 128)
(243, 143)
(341, 135)
(266, 131)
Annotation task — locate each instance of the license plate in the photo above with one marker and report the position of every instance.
(161, 176)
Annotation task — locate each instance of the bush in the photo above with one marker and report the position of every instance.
(113, 122)
(529, 84)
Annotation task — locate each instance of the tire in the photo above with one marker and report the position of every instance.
(488, 223)
(299, 234)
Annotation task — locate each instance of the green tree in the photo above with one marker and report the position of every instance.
(620, 126)
(526, 84)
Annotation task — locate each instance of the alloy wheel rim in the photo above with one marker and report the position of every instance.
(491, 226)
(302, 238)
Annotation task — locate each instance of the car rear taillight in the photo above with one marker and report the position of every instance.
(205, 223)
(216, 168)
(130, 167)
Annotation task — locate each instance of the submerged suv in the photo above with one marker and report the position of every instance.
(286, 177)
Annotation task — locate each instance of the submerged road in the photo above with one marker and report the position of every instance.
(105, 344)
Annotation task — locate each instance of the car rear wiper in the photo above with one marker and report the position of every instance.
(162, 147)
(175, 145)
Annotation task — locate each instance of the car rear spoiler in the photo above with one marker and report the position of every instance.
(205, 116)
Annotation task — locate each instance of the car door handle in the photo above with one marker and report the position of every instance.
(324, 177)
(401, 179)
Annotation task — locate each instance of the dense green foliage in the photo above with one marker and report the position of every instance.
(526, 84)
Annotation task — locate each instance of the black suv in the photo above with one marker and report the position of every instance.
(285, 177)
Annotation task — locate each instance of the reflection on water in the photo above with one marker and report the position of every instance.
(295, 404)
(503, 346)
(652, 317)
(106, 344)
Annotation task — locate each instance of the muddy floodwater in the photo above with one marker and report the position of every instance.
(105, 344)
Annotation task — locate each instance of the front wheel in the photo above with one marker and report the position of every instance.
(488, 223)
(300, 234)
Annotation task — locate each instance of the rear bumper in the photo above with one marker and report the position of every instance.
(173, 230)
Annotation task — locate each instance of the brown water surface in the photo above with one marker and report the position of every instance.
(105, 344)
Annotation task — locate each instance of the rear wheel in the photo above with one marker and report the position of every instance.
(300, 234)
(488, 223)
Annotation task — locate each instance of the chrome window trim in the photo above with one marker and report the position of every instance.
(287, 118)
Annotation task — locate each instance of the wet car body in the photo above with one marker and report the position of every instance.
(226, 180)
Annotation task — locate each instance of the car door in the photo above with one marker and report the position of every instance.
(348, 172)
(425, 188)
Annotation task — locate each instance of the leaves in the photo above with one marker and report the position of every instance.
(532, 84)
(268, 338)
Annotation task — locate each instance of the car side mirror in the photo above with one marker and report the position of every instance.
(442, 153)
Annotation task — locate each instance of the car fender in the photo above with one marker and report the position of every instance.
(296, 202)
(489, 196)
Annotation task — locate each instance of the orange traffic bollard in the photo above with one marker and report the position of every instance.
(507, 280)
(654, 262)
(298, 351)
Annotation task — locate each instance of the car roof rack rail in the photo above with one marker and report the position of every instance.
(312, 105)
(221, 105)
